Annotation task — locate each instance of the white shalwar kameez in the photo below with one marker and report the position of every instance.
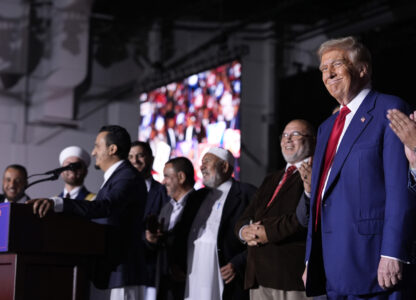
(204, 281)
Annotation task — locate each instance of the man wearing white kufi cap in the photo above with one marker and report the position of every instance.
(74, 179)
(215, 259)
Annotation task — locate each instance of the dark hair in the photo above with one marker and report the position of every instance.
(19, 168)
(118, 136)
(182, 164)
(144, 145)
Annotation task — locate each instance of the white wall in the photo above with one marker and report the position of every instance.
(34, 127)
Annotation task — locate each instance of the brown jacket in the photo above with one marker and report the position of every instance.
(279, 264)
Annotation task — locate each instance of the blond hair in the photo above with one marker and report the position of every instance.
(357, 52)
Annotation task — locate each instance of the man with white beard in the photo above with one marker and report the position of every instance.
(214, 257)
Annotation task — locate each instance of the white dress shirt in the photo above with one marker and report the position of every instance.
(353, 107)
(73, 193)
(172, 211)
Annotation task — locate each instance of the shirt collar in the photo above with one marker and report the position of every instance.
(225, 186)
(148, 182)
(298, 164)
(356, 102)
(110, 170)
(73, 193)
(182, 200)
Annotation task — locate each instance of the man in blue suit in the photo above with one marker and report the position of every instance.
(362, 214)
(120, 203)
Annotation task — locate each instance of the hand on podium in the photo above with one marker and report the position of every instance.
(41, 206)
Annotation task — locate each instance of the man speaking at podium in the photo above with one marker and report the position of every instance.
(120, 202)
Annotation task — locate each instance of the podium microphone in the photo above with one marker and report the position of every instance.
(71, 167)
(55, 173)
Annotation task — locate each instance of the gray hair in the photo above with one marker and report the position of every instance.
(357, 52)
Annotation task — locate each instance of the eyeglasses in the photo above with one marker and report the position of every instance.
(294, 136)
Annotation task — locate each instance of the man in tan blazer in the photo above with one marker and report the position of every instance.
(271, 226)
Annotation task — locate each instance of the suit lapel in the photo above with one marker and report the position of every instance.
(319, 156)
(104, 187)
(351, 135)
(231, 203)
(290, 181)
(165, 215)
(121, 166)
(82, 194)
(150, 195)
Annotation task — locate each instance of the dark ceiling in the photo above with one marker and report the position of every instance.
(124, 21)
(305, 12)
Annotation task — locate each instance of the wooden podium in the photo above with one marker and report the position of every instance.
(46, 258)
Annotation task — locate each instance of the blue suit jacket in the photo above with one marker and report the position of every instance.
(119, 203)
(367, 210)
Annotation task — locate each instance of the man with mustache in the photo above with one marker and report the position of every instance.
(213, 258)
(271, 225)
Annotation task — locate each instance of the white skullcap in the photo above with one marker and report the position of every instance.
(75, 151)
(222, 154)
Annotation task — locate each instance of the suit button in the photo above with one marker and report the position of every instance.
(325, 205)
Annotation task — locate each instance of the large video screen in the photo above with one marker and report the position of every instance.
(187, 117)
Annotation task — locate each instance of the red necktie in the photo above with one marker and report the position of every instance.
(331, 149)
(287, 174)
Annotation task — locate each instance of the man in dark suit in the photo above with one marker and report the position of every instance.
(141, 157)
(271, 227)
(212, 257)
(179, 181)
(74, 179)
(362, 214)
(14, 184)
(120, 203)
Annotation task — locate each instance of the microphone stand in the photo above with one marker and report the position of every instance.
(54, 176)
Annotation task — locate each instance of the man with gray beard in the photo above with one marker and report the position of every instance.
(273, 224)
(213, 258)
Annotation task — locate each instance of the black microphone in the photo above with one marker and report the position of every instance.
(71, 167)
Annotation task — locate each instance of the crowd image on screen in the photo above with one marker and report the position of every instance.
(186, 117)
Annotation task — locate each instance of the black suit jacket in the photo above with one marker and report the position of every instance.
(229, 247)
(168, 286)
(3, 197)
(279, 264)
(156, 198)
(119, 203)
